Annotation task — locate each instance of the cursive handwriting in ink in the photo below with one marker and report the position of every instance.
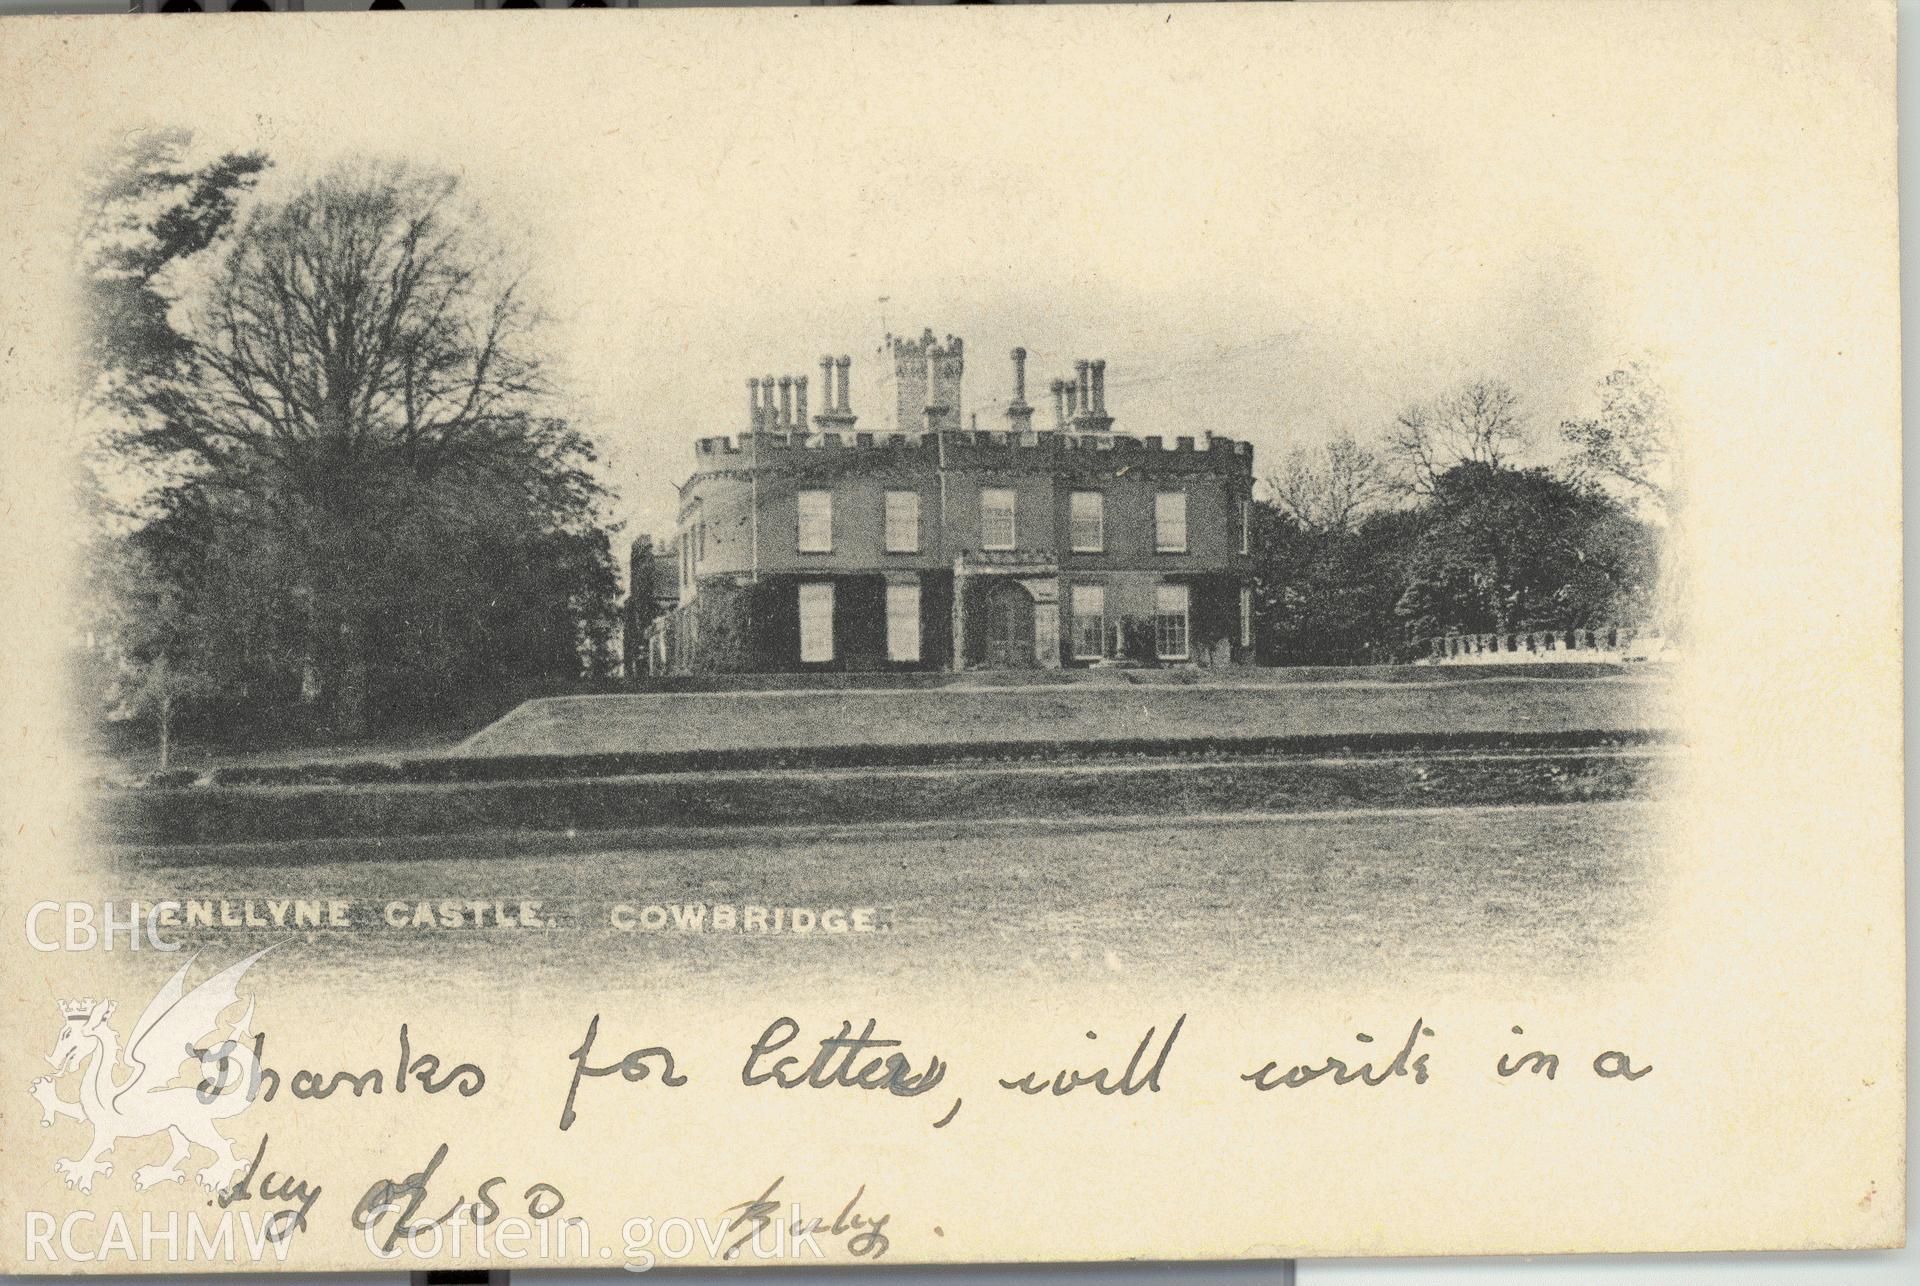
(1131, 1081)
(1404, 1063)
(865, 1234)
(265, 1185)
(219, 1070)
(634, 1067)
(834, 1064)
(403, 1200)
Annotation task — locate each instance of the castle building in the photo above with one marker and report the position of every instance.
(808, 543)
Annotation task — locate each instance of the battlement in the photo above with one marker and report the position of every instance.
(927, 377)
(969, 448)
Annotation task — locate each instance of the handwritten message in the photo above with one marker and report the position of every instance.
(855, 1057)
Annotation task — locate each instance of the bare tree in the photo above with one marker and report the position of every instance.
(361, 321)
(1326, 488)
(1632, 446)
(354, 343)
(1479, 422)
(1630, 442)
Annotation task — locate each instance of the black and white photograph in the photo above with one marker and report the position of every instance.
(973, 637)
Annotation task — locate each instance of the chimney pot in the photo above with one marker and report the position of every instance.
(800, 401)
(753, 404)
(786, 401)
(1100, 387)
(845, 364)
(1082, 370)
(1019, 374)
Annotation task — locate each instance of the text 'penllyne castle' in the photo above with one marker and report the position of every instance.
(809, 544)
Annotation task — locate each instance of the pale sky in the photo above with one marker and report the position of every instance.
(1271, 230)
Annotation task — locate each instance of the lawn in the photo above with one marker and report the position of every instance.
(1534, 891)
(724, 720)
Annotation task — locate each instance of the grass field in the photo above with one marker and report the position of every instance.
(722, 720)
(1532, 891)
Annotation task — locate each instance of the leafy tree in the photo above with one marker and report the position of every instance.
(148, 209)
(356, 493)
(1508, 549)
(1329, 597)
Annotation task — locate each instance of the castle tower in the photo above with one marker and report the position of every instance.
(927, 382)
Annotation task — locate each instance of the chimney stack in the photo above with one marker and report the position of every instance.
(1059, 390)
(834, 415)
(1019, 414)
(800, 401)
(1091, 416)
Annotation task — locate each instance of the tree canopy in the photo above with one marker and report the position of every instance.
(1355, 568)
(358, 501)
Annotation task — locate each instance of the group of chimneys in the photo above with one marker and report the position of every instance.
(1078, 403)
(789, 412)
(927, 382)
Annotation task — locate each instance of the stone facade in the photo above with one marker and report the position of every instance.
(938, 547)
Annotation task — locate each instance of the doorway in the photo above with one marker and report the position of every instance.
(1009, 627)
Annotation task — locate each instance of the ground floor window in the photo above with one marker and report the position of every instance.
(1246, 617)
(1089, 606)
(903, 622)
(816, 622)
(1170, 622)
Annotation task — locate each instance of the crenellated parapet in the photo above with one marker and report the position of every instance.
(961, 449)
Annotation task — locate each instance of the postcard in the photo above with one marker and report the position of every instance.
(949, 635)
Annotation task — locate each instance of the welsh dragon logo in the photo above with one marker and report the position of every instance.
(131, 1092)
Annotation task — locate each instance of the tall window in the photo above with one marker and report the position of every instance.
(1170, 522)
(1089, 622)
(903, 522)
(997, 527)
(816, 621)
(1246, 617)
(1087, 522)
(1170, 622)
(1246, 526)
(816, 522)
(903, 622)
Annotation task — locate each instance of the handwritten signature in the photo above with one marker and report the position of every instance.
(865, 1234)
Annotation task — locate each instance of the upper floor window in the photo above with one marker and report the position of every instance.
(1246, 526)
(997, 526)
(903, 522)
(816, 522)
(1170, 522)
(1087, 522)
(1246, 616)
